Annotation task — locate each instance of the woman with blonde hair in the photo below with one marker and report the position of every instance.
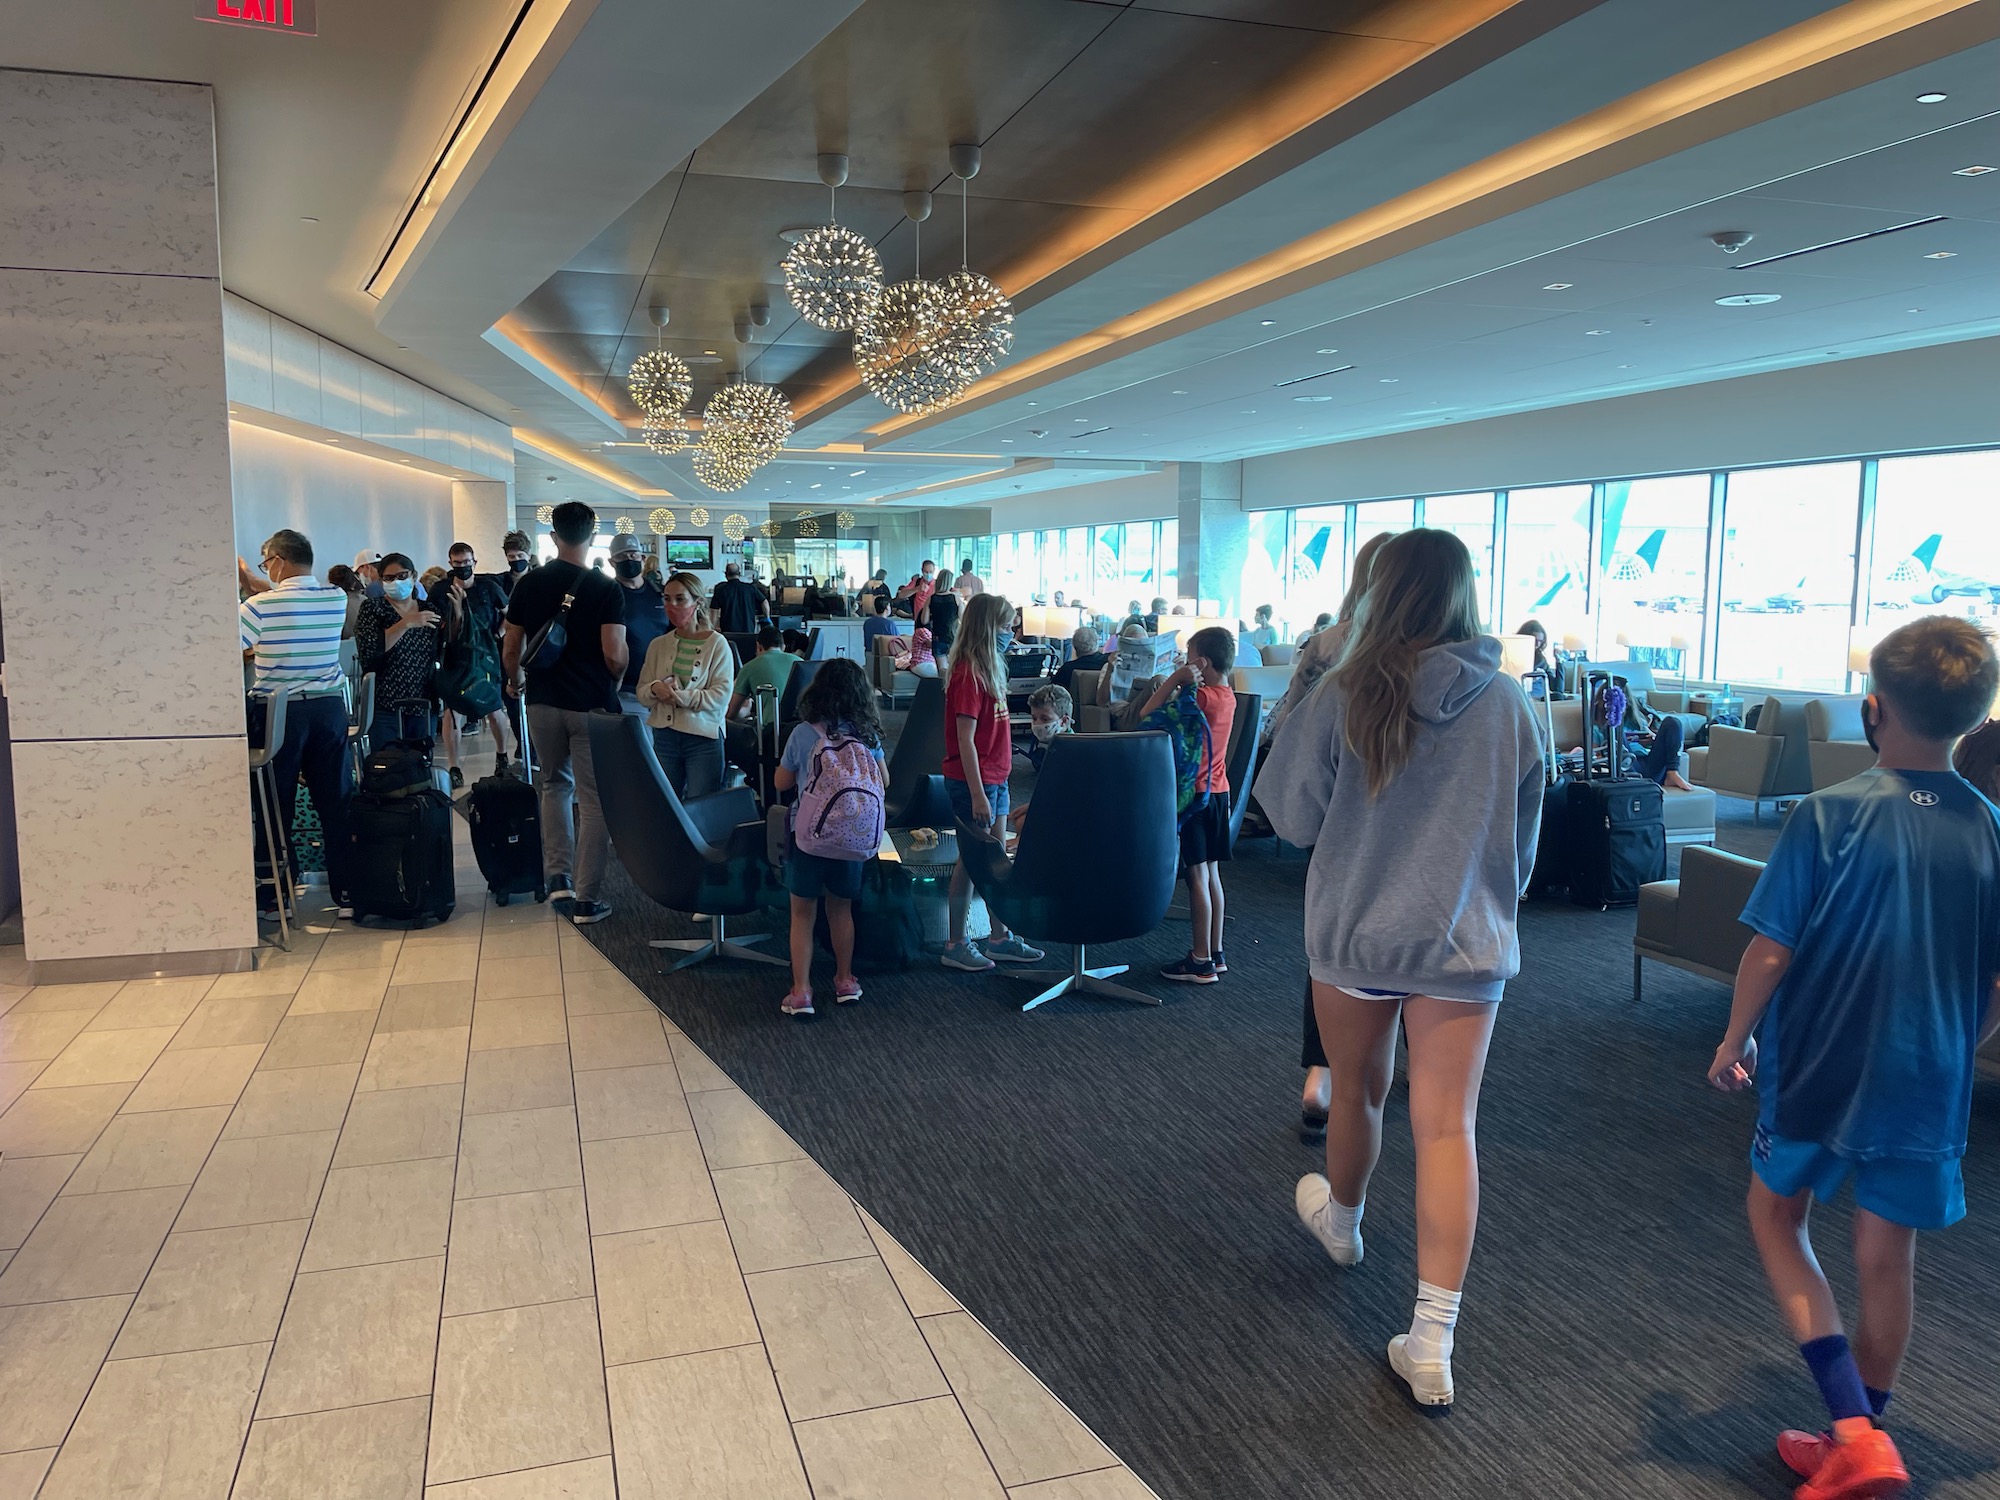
(978, 754)
(685, 685)
(1415, 773)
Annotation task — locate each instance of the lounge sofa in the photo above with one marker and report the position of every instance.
(1837, 747)
(1768, 763)
(1691, 923)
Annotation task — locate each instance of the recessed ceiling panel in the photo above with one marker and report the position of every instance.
(1913, 179)
(1431, 21)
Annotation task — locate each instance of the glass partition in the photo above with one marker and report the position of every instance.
(1788, 576)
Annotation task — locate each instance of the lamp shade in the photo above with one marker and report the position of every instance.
(1185, 626)
(1680, 642)
(1574, 643)
(1517, 655)
(1044, 620)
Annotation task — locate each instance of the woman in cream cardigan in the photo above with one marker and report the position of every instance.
(685, 685)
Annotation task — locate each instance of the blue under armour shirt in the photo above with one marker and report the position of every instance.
(1887, 889)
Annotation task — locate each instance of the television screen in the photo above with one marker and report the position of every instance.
(694, 553)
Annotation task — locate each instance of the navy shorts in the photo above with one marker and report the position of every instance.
(1914, 1194)
(811, 876)
(961, 803)
(1205, 835)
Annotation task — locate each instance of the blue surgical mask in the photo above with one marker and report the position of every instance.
(398, 588)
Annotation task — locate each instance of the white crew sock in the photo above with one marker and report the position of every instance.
(1342, 1222)
(1431, 1327)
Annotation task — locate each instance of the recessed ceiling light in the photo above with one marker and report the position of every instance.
(1006, 440)
(1267, 322)
(334, 440)
(1079, 419)
(1558, 286)
(1176, 393)
(1932, 98)
(1913, 309)
(1748, 299)
(1974, 171)
(1034, 403)
(1390, 380)
(1595, 333)
(1248, 411)
(1942, 255)
(814, 485)
(1309, 399)
(1079, 450)
(857, 473)
(710, 351)
(1624, 367)
(1326, 351)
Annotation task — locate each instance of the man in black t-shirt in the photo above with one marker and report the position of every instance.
(738, 606)
(560, 700)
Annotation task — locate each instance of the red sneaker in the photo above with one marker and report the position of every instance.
(1861, 1464)
(1804, 1452)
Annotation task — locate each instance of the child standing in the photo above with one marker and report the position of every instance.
(834, 760)
(978, 754)
(1873, 971)
(1211, 654)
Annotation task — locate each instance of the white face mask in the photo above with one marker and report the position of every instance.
(1046, 732)
(399, 588)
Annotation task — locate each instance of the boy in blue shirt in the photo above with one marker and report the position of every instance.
(1874, 973)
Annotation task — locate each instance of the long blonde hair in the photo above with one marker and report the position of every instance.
(1421, 593)
(1364, 570)
(695, 592)
(976, 647)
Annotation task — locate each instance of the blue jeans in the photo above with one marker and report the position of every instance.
(1665, 754)
(692, 763)
(316, 748)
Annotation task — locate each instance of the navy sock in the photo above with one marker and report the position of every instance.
(1878, 1401)
(1832, 1364)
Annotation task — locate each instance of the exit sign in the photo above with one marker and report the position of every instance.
(297, 16)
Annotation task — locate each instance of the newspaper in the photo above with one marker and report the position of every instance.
(1139, 659)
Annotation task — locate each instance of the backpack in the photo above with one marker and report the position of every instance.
(1187, 731)
(839, 813)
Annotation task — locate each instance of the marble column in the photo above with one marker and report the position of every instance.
(1214, 534)
(123, 675)
(480, 509)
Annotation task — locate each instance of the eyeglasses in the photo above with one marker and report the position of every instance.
(264, 562)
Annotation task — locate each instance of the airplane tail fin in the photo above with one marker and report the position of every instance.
(1926, 551)
(1649, 550)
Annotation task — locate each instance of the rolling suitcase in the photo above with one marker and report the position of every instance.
(1551, 871)
(506, 817)
(1617, 824)
(399, 834)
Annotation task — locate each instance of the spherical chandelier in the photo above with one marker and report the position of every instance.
(844, 519)
(747, 418)
(661, 522)
(735, 527)
(666, 436)
(767, 528)
(545, 514)
(624, 526)
(720, 469)
(660, 383)
(893, 350)
(698, 516)
(833, 276)
(975, 325)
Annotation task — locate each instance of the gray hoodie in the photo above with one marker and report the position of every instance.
(1416, 889)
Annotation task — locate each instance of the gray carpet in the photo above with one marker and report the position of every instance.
(1109, 1189)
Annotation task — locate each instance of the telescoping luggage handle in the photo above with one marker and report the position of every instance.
(1549, 755)
(1596, 687)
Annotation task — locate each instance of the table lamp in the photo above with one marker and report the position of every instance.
(1517, 655)
(1683, 645)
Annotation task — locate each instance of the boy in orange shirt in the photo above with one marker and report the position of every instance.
(1211, 654)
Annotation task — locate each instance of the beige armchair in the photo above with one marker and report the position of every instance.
(1762, 764)
(1836, 744)
(1691, 923)
(1281, 655)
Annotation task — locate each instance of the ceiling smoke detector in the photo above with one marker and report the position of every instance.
(1729, 241)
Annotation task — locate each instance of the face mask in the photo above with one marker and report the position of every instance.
(1004, 637)
(517, 565)
(1046, 732)
(399, 588)
(631, 567)
(680, 616)
(372, 588)
(1870, 722)
(461, 570)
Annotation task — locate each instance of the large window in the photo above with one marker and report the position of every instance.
(1788, 576)
(1264, 567)
(1937, 537)
(1382, 518)
(1548, 559)
(1470, 519)
(1652, 570)
(1319, 562)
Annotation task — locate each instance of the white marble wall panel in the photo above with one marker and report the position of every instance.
(162, 866)
(115, 528)
(409, 433)
(378, 403)
(246, 343)
(437, 428)
(294, 371)
(339, 388)
(106, 174)
(461, 447)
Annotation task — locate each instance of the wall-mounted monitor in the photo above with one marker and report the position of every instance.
(695, 554)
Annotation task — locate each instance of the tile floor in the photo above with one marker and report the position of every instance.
(454, 1215)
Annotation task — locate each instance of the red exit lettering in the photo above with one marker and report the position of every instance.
(299, 17)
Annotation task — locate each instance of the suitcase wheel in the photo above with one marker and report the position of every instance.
(501, 897)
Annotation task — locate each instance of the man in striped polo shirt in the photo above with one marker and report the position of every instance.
(292, 632)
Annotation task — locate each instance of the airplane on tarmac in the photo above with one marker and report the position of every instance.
(1932, 584)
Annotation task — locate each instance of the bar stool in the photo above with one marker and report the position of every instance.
(277, 836)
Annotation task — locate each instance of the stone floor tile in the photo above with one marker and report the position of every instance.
(516, 1078)
(352, 948)
(59, 1122)
(196, 1078)
(263, 1180)
(511, 978)
(698, 1072)
(917, 1451)
(536, 1021)
(427, 1006)
(614, 1102)
(520, 1151)
(538, 941)
(21, 1473)
(231, 1022)
(704, 1425)
(340, 989)
(596, 992)
(518, 1248)
(395, 1211)
(647, 1182)
(337, 1036)
(355, 1337)
(267, 979)
(920, 1289)
(70, 997)
(163, 1149)
(16, 1078)
(354, 1453)
(38, 1036)
(412, 1059)
(841, 1339)
(107, 1057)
(293, 1100)
(169, 1427)
(152, 1002)
(101, 1245)
(670, 1291)
(212, 1288)
(1100, 1484)
(400, 1125)
(618, 1039)
(789, 1213)
(518, 1389)
(49, 1354)
(736, 1133)
(1027, 1433)
(438, 963)
(28, 1185)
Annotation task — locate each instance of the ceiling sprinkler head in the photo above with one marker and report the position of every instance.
(1729, 241)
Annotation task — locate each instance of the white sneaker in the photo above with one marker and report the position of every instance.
(1429, 1380)
(1314, 1201)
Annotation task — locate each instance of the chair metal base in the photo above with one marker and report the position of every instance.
(1082, 980)
(718, 944)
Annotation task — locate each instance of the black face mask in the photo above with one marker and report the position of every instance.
(631, 567)
(461, 570)
(1869, 724)
(517, 565)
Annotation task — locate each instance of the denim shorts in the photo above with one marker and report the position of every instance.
(1914, 1194)
(961, 803)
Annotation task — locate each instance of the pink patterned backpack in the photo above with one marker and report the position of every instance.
(839, 813)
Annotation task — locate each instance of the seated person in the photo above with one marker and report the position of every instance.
(877, 623)
(1053, 712)
(1550, 665)
(1654, 741)
(1262, 632)
(1320, 622)
(770, 667)
(1087, 656)
(915, 652)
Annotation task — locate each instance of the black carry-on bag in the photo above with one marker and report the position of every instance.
(1617, 822)
(399, 863)
(506, 817)
(1551, 872)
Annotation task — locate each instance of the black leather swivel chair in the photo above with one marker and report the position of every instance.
(706, 855)
(916, 797)
(1241, 760)
(1103, 803)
